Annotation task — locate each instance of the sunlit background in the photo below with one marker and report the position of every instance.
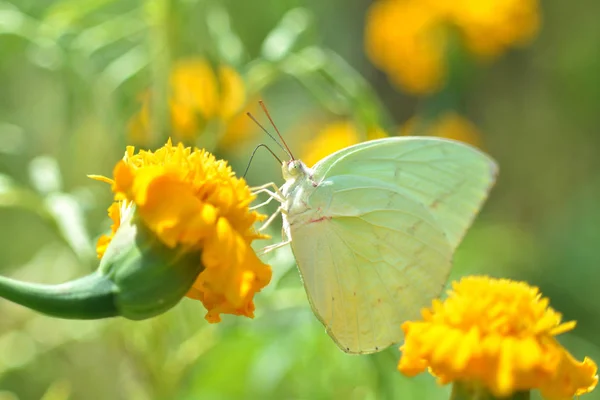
(80, 79)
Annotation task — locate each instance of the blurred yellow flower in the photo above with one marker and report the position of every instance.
(189, 199)
(199, 93)
(404, 38)
(449, 125)
(336, 136)
(407, 38)
(490, 27)
(497, 333)
(211, 93)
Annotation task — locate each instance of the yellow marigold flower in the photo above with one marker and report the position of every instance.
(404, 39)
(198, 94)
(407, 39)
(490, 27)
(212, 93)
(335, 136)
(497, 333)
(449, 125)
(189, 199)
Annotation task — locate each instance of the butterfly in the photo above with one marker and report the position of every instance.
(373, 228)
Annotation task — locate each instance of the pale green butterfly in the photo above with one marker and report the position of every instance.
(373, 228)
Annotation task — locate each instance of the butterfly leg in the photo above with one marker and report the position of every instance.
(284, 233)
(271, 185)
(270, 219)
(272, 247)
(264, 203)
(274, 193)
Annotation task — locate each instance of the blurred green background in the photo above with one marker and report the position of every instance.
(74, 75)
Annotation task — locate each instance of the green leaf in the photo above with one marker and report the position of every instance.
(123, 68)
(112, 31)
(13, 195)
(230, 47)
(280, 42)
(63, 15)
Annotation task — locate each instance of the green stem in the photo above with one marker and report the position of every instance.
(90, 297)
(469, 391)
(158, 18)
(460, 72)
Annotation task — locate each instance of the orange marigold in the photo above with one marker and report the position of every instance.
(188, 198)
(497, 333)
(408, 39)
(201, 97)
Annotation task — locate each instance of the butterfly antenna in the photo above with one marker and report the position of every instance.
(265, 131)
(262, 105)
(254, 152)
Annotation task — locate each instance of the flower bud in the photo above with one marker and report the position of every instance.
(149, 276)
(139, 277)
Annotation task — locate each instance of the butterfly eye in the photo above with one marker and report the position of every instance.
(293, 168)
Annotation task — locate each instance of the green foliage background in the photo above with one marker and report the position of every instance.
(70, 71)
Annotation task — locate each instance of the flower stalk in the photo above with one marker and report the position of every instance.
(90, 297)
(138, 278)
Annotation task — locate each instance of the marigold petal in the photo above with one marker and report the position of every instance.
(232, 274)
(123, 180)
(528, 354)
(446, 347)
(101, 179)
(466, 349)
(170, 209)
(504, 384)
(562, 328)
(114, 213)
(572, 378)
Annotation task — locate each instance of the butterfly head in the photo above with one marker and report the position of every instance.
(293, 169)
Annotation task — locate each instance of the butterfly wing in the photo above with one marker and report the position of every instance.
(451, 179)
(372, 265)
(395, 209)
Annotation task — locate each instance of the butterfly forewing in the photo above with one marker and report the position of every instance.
(451, 179)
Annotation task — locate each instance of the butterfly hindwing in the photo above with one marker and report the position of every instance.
(372, 264)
